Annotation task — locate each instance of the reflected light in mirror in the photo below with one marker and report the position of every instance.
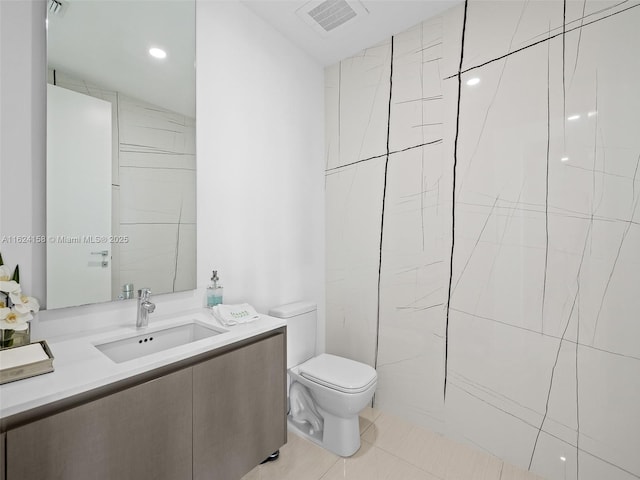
(157, 53)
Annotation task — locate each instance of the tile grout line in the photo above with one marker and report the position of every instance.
(384, 197)
(546, 200)
(453, 204)
(324, 474)
(404, 460)
(437, 141)
(539, 42)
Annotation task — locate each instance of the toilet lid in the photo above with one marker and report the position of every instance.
(338, 373)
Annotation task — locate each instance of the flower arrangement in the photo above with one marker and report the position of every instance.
(16, 308)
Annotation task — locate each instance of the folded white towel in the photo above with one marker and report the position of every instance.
(230, 315)
(20, 356)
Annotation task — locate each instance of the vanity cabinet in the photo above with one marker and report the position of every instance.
(242, 394)
(142, 432)
(2, 462)
(214, 416)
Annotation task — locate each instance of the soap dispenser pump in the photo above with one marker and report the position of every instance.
(214, 291)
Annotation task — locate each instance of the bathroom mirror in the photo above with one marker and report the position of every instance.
(121, 164)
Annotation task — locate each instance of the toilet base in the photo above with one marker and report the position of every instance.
(304, 430)
(340, 435)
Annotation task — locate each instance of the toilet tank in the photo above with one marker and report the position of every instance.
(301, 330)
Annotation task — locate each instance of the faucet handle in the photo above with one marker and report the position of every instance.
(144, 294)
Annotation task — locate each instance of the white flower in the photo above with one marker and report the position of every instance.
(5, 274)
(6, 284)
(23, 303)
(10, 319)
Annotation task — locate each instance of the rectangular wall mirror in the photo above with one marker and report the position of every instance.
(121, 156)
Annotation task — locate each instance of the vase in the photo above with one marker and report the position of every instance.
(15, 338)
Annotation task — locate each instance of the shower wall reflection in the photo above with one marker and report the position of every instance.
(153, 193)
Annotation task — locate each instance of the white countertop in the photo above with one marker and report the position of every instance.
(80, 366)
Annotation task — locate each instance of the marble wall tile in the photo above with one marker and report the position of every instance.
(152, 129)
(363, 106)
(523, 23)
(556, 267)
(417, 101)
(498, 375)
(139, 159)
(413, 294)
(332, 116)
(116, 285)
(157, 195)
(186, 261)
(609, 393)
(153, 137)
(353, 221)
(148, 259)
(538, 345)
(501, 191)
(607, 149)
(157, 165)
(520, 23)
(452, 23)
(548, 461)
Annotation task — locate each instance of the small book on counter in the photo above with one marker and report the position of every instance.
(23, 362)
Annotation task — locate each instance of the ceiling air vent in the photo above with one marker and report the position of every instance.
(332, 14)
(326, 16)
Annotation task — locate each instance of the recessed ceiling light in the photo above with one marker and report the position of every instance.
(564, 459)
(564, 159)
(157, 52)
(573, 117)
(473, 81)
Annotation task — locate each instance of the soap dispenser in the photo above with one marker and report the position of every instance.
(214, 291)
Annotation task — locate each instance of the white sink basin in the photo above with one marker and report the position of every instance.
(151, 342)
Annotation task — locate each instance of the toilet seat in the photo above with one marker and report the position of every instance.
(337, 373)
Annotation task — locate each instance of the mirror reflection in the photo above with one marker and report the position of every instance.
(121, 164)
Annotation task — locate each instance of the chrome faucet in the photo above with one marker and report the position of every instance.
(145, 307)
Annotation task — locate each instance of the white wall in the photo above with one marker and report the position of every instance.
(259, 141)
(22, 119)
(260, 170)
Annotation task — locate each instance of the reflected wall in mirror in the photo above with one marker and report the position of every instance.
(121, 164)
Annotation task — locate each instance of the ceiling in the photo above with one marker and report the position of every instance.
(380, 19)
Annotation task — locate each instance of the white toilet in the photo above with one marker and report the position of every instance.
(326, 392)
